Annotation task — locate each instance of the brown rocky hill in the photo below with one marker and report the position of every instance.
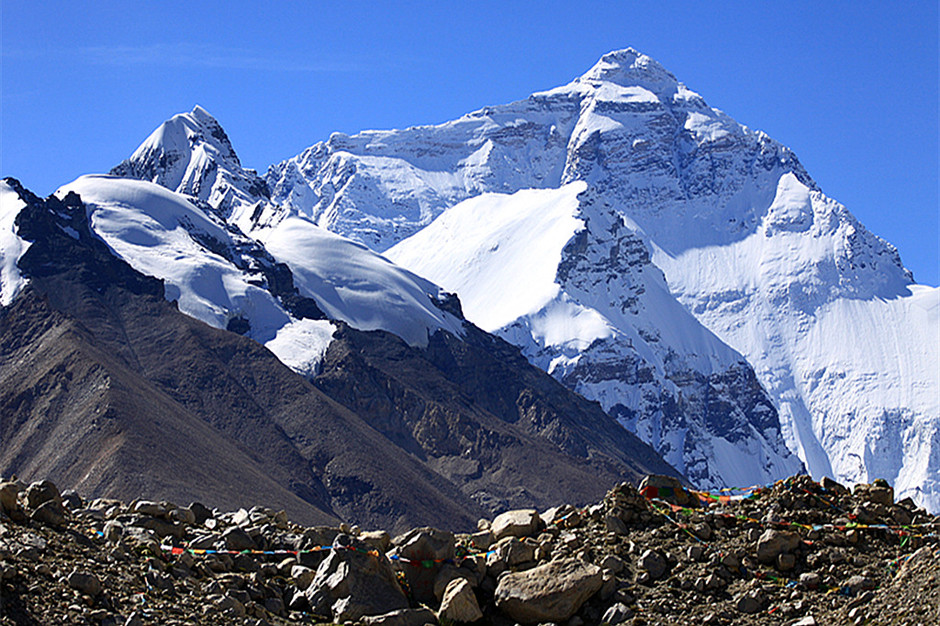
(107, 388)
(796, 553)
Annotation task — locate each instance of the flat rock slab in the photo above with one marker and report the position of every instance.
(549, 593)
(518, 523)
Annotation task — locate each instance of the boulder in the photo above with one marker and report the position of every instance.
(548, 593)
(425, 551)
(459, 603)
(354, 581)
(85, 583)
(237, 539)
(666, 488)
(616, 614)
(653, 563)
(518, 523)
(41, 492)
(8, 497)
(772, 543)
(50, 513)
(401, 617)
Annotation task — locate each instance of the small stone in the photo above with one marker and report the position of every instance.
(786, 562)
(616, 614)
(71, 500)
(751, 602)
(113, 531)
(459, 603)
(703, 531)
(809, 620)
(615, 525)
(613, 564)
(695, 553)
(85, 583)
(810, 580)
(134, 620)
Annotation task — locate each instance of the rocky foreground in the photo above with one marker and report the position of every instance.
(795, 553)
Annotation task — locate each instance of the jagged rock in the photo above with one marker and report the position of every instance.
(401, 617)
(183, 516)
(354, 581)
(653, 563)
(459, 603)
(85, 583)
(39, 493)
(548, 593)
(775, 542)
(515, 551)
(482, 540)
(200, 512)
(518, 523)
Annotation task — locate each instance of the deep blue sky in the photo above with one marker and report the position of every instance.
(852, 87)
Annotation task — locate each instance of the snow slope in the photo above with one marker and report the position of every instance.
(12, 247)
(840, 337)
(745, 238)
(217, 275)
(526, 267)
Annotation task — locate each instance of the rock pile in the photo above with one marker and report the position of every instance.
(795, 553)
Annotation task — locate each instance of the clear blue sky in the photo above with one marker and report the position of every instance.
(852, 87)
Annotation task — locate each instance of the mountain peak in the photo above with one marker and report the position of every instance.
(629, 67)
(190, 153)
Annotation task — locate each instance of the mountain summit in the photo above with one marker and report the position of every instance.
(825, 313)
(694, 279)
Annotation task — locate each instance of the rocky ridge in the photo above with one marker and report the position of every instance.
(796, 552)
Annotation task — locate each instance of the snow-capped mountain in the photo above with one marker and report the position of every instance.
(228, 280)
(191, 154)
(560, 274)
(745, 239)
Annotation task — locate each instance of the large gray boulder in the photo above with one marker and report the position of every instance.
(519, 523)
(354, 581)
(424, 552)
(549, 593)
